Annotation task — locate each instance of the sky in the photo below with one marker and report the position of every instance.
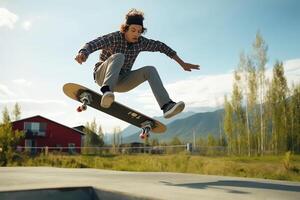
(40, 39)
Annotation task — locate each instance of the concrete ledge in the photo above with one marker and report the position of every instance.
(67, 193)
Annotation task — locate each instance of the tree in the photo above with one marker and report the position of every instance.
(16, 112)
(252, 102)
(279, 108)
(244, 68)
(238, 114)
(228, 124)
(92, 137)
(8, 138)
(100, 135)
(117, 136)
(294, 139)
(260, 59)
(211, 140)
(154, 142)
(175, 141)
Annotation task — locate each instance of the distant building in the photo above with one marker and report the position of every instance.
(41, 132)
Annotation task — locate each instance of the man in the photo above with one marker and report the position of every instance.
(119, 51)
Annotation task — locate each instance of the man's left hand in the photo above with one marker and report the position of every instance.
(189, 67)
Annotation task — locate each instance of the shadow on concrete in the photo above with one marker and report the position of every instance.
(240, 184)
(68, 193)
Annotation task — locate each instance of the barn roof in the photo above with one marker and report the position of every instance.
(39, 116)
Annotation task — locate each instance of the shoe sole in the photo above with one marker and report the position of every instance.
(178, 108)
(107, 100)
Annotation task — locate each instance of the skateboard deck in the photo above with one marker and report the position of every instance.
(90, 98)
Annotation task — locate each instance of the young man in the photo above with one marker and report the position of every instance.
(119, 51)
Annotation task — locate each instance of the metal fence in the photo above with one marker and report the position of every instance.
(170, 149)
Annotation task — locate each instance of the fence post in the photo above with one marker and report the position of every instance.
(189, 147)
(46, 150)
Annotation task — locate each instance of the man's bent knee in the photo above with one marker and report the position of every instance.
(119, 57)
(151, 70)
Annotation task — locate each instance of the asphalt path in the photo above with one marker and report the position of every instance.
(147, 185)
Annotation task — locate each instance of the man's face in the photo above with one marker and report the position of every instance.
(133, 33)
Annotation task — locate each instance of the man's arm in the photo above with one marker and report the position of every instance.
(94, 45)
(155, 45)
(184, 65)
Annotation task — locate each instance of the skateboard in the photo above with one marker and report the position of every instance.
(90, 98)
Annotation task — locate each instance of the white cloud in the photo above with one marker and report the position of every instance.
(7, 18)
(22, 82)
(5, 91)
(203, 91)
(208, 91)
(27, 25)
(31, 107)
(292, 71)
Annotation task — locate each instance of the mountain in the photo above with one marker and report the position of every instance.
(132, 130)
(200, 123)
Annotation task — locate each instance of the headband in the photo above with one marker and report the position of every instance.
(134, 20)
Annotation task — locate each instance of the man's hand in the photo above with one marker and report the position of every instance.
(184, 65)
(80, 58)
(189, 67)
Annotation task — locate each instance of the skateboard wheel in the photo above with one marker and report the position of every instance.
(79, 109)
(142, 136)
(83, 107)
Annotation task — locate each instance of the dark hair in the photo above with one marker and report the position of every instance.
(132, 13)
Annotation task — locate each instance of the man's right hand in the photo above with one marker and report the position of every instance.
(80, 58)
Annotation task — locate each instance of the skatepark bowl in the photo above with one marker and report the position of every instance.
(67, 193)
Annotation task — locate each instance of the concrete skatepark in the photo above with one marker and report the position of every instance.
(94, 184)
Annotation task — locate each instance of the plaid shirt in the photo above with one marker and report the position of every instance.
(115, 42)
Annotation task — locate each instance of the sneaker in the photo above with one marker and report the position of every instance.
(172, 109)
(107, 99)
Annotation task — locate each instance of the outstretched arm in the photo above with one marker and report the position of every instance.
(94, 45)
(155, 45)
(186, 66)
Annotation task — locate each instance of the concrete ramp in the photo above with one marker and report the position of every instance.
(65, 183)
(68, 193)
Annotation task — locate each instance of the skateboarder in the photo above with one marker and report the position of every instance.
(119, 50)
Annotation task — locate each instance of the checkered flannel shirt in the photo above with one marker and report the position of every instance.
(115, 42)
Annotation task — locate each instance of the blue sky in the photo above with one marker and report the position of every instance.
(39, 40)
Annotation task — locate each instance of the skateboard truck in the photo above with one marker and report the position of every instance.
(146, 128)
(85, 98)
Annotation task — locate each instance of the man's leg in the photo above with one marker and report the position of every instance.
(107, 77)
(108, 72)
(134, 78)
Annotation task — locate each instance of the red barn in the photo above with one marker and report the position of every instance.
(41, 132)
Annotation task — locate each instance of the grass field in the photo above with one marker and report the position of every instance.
(286, 167)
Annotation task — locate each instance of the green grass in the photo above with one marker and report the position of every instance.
(268, 167)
